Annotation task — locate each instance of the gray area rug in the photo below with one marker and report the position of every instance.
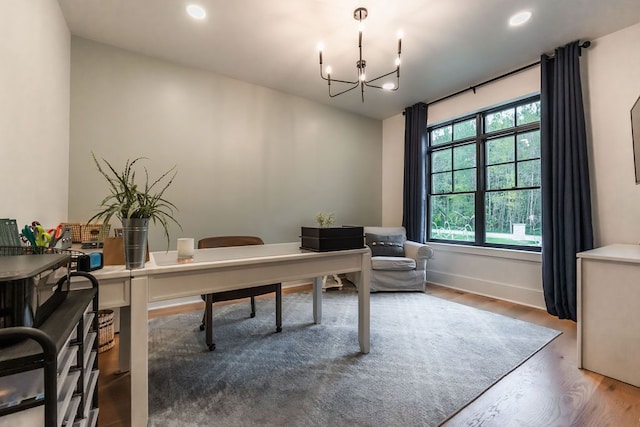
(429, 357)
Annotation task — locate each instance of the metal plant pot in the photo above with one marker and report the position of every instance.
(135, 232)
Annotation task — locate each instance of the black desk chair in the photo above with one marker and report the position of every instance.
(252, 292)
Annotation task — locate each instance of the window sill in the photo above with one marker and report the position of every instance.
(487, 252)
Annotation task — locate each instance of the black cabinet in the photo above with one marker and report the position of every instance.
(49, 374)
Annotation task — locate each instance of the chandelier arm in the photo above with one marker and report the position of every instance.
(344, 81)
(321, 75)
(380, 77)
(385, 89)
(335, 80)
(344, 91)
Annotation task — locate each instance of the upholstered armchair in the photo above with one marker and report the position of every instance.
(397, 264)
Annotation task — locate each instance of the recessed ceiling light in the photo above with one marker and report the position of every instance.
(519, 18)
(196, 11)
(389, 86)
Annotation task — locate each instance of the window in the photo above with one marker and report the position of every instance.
(484, 178)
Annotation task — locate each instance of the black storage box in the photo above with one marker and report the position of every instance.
(323, 239)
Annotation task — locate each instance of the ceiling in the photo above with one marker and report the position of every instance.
(447, 45)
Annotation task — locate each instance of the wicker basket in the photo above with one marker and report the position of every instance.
(93, 232)
(105, 330)
(76, 231)
(83, 232)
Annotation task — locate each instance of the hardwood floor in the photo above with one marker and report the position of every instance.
(547, 390)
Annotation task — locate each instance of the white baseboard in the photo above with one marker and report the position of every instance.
(503, 291)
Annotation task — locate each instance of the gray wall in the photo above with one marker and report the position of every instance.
(250, 160)
(34, 112)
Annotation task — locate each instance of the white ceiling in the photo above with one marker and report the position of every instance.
(448, 45)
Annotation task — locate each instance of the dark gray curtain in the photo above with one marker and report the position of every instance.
(414, 196)
(566, 194)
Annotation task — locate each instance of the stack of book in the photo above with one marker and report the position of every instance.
(9, 234)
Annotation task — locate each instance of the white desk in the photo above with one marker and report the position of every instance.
(608, 285)
(214, 270)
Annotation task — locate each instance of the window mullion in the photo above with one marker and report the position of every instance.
(515, 159)
(480, 181)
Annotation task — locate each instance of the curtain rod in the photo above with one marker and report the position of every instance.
(486, 82)
(585, 45)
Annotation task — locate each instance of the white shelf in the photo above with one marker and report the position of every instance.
(72, 411)
(88, 345)
(88, 318)
(63, 368)
(88, 367)
(93, 417)
(65, 399)
(64, 348)
(90, 421)
(89, 392)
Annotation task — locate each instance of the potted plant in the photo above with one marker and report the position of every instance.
(134, 205)
(325, 220)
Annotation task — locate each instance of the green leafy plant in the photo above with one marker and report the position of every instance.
(128, 199)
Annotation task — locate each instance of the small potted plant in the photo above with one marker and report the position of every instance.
(134, 205)
(325, 220)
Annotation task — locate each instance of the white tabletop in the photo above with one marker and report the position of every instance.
(228, 253)
(617, 252)
(166, 261)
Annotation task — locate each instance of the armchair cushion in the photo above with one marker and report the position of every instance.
(385, 245)
(393, 263)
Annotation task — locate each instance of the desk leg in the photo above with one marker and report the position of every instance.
(317, 300)
(124, 352)
(208, 322)
(364, 312)
(140, 350)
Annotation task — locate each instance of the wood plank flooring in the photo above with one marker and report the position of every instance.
(547, 390)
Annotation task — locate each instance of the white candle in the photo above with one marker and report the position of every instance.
(185, 247)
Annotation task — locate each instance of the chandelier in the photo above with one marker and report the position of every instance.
(360, 15)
